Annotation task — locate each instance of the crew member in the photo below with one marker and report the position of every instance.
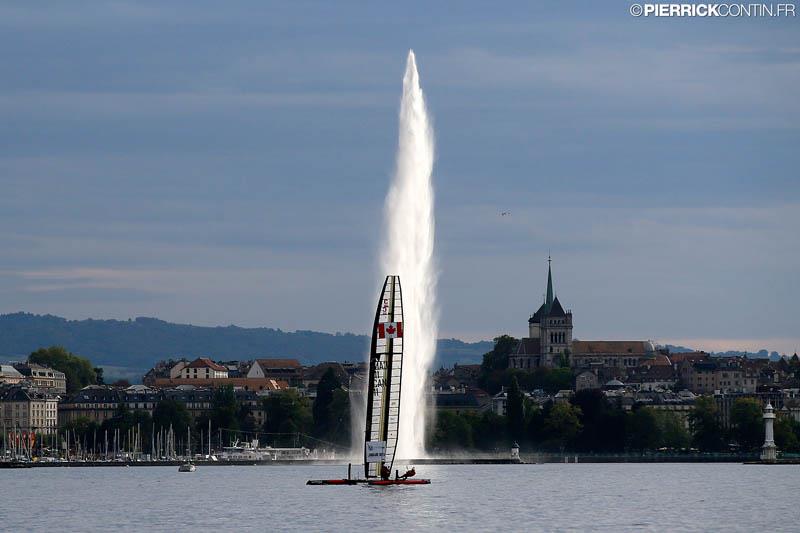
(385, 472)
(409, 473)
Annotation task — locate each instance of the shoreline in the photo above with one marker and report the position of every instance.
(525, 460)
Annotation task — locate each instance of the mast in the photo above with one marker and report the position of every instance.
(385, 373)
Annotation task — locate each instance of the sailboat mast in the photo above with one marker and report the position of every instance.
(384, 379)
(385, 403)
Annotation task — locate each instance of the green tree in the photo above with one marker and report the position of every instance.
(497, 359)
(495, 364)
(556, 379)
(515, 412)
(245, 419)
(170, 412)
(82, 427)
(287, 413)
(747, 425)
(642, 430)
(705, 425)
(340, 418)
(673, 431)
(453, 432)
(563, 424)
(77, 370)
(603, 425)
(224, 408)
(124, 421)
(489, 431)
(322, 408)
(787, 434)
(563, 359)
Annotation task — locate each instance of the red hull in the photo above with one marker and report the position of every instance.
(383, 482)
(335, 481)
(378, 482)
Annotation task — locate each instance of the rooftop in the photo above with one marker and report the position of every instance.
(205, 362)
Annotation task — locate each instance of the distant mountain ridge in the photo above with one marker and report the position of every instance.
(760, 354)
(137, 344)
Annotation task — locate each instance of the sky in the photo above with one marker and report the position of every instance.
(226, 163)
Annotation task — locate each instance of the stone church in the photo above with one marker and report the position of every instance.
(549, 344)
(549, 334)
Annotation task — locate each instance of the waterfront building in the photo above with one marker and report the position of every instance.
(29, 409)
(612, 358)
(462, 400)
(725, 401)
(311, 375)
(678, 403)
(250, 384)
(43, 377)
(288, 370)
(176, 370)
(99, 403)
(10, 375)
(586, 380)
(499, 402)
(719, 375)
(162, 369)
(204, 372)
(654, 378)
(203, 368)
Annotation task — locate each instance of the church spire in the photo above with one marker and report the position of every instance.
(548, 303)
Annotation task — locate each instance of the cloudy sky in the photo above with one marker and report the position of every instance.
(226, 163)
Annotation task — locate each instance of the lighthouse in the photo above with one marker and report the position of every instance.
(768, 450)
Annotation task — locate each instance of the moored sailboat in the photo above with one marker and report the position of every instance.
(188, 466)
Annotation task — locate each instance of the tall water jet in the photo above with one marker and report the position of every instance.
(408, 251)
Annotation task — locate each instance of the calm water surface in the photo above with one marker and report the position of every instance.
(553, 497)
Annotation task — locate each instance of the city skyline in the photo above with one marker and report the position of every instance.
(206, 165)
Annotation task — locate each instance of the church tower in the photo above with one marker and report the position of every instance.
(549, 333)
(552, 325)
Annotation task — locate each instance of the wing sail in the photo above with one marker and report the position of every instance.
(384, 381)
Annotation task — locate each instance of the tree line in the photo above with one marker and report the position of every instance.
(590, 423)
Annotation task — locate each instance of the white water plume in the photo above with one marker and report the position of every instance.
(408, 252)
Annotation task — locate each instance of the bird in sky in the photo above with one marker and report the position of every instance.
(505, 213)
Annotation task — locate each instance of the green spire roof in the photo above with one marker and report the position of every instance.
(548, 303)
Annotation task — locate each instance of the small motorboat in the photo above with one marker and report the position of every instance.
(188, 466)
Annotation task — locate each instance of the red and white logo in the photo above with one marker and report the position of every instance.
(390, 330)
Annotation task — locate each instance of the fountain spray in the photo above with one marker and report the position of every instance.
(408, 251)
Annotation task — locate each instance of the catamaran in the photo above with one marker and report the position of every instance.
(383, 395)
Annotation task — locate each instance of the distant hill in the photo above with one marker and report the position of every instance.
(128, 347)
(761, 354)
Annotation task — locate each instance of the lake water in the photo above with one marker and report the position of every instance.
(549, 497)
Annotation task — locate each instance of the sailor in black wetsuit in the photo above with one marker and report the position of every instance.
(385, 472)
(409, 473)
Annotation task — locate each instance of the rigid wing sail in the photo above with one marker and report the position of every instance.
(384, 380)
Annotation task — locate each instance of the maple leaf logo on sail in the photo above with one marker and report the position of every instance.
(390, 330)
